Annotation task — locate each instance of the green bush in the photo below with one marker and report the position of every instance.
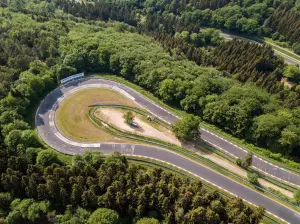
(253, 178)
(296, 48)
(104, 216)
(148, 221)
(187, 128)
(47, 157)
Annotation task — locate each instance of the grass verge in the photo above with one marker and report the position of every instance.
(282, 49)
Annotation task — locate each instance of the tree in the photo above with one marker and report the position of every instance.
(15, 125)
(93, 158)
(30, 139)
(297, 196)
(197, 215)
(5, 200)
(32, 153)
(13, 138)
(187, 128)
(253, 178)
(148, 221)
(128, 117)
(46, 158)
(267, 129)
(104, 216)
(292, 72)
(275, 36)
(296, 48)
(27, 210)
(16, 5)
(246, 161)
(78, 216)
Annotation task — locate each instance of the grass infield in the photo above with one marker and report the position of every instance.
(72, 115)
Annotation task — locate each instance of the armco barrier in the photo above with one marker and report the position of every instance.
(179, 150)
(202, 143)
(219, 152)
(137, 110)
(175, 113)
(254, 153)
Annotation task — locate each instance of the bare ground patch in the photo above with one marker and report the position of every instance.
(115, 117)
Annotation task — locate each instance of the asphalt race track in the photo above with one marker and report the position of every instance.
(45, 123)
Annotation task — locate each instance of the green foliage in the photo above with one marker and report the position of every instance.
(297, 196)
(49, 45)
(128, 117)
(292, 72)
(104, 216)
(286, 22)
(47, 157)
(5, 200)
(60, 48)
(246, 161)
(148, 221)
(187, 128)
(296, 48)
(13, 139)
(78, 216)
(93, 158)
(205, 37)
(27, 210)
(32, 153)
(114, 185)
(267, 128)
(253, 178)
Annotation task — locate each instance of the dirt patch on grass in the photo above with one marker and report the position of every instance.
(72, 115)
(233, 167)
(115, 117)
(268, 184)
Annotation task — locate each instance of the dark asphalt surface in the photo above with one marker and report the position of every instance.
(47, 133)
(285, 57)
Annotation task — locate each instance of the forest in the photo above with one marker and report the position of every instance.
(247, 62)
(38, 188)
(252, 17)
(186, 66)
(229, 99)
(42, 50)
(35, 185)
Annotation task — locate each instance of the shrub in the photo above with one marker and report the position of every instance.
(253, 178)
(46, 158)
(104, 216)
(148, 221)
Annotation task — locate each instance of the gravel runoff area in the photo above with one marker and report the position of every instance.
(115, 117)
(45, 122)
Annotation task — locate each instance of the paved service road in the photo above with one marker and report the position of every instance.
(45, 122)
(288, 59)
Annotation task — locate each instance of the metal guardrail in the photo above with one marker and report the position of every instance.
(124, 82)
(203, 143)
(137, 110)
(181, 151)
(261, 174)
(255, 153)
